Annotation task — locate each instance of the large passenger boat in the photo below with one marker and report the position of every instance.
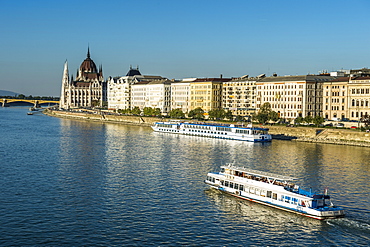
(273, 190)
(223, 131)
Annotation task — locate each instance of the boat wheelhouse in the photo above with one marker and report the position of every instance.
(273, 190)
(223, 131)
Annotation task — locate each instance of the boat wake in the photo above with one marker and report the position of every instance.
(350, 223)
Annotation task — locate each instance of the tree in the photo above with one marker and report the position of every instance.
(197, 113)
(366, 120)
(136, 110)
(274, 116)
(265, 114)
(308, 119)
(177, 113)
(148, 111)
(299, 120)
(229, 115)
(239, 118)
(317, 120)
(157, 112)
(217, 114)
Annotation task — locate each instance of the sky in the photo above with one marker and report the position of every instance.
(178, 39)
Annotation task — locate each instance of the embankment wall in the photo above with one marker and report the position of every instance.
(305, 134)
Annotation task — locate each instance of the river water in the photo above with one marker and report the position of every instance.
(76, 183)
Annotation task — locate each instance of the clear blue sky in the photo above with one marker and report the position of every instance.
(178, 38)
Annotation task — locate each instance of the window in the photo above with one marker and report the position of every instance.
(269, 194)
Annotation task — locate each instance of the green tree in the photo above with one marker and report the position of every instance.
(148, 111)
(217, 114)
(317, 120)
(229, 115)
(366, 120)
(308, 119)
(197, 113)
(239, 118)
(136, 110)
(299, 120)
(177, 113)
(265, 114)
(274, 116)
(157, 112)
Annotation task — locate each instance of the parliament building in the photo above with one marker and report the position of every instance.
(88, 89)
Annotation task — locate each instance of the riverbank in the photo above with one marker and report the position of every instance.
(302, 134)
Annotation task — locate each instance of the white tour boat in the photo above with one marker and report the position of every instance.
(223, 131)
(273, 190)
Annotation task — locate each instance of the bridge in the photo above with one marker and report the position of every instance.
(34, 102)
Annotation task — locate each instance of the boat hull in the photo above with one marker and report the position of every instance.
(212, 133)
(239, 195)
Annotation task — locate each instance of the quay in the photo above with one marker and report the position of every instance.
(299, 134)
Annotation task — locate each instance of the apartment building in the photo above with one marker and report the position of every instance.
(206, 93)
(119, 88)
(335, 99)
(154, 94)
(293, 96)
(180, 94)
(239, 96)
(358, 97)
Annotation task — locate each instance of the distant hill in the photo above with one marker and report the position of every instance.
(7, 93)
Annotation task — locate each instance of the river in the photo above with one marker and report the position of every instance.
(77, 183)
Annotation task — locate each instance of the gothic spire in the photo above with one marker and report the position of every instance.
(88, 51)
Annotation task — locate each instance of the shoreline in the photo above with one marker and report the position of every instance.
(298, 134)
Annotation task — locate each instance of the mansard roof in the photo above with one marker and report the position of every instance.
(133, 72)
(340, 79)
(297, 78)
(212, 80)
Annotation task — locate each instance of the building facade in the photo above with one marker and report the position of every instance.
(359, 97)
(119, 88)
(88, 90)
(206, 93)
(293, 96)
(154, 94)
(239, 96)
(335, 99)
(180, 95)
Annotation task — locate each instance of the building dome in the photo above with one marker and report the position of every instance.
(88, 64)
(88, 70)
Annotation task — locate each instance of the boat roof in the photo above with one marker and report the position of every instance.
(259, 173)
(213, 124)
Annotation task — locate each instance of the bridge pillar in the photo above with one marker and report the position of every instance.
(36, 104)
(4, 103)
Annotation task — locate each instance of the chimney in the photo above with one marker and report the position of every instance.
(221, 76)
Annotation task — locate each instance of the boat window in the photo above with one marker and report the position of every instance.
(269, 194)
(263, 192)
(294, 201)
(227, 183)
(251, 190)
(287, 199)
(231, 185)
(246, 189)
(257, 191)
(241, 187)
(222, 182)
(274, 196)
(236, 186)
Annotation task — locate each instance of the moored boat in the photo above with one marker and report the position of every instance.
(273, 190)
(223, 131)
